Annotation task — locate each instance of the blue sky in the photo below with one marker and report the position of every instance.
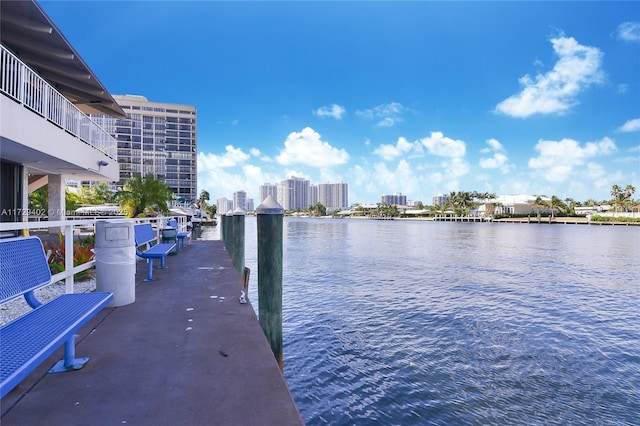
(420, 98)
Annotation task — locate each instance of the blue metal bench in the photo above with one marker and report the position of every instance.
(27, 341)
(145, 236)
(182, 236)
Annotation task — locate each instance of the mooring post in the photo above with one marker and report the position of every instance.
(223, 228)
(269, 224)
(227, 231)
(238, 241)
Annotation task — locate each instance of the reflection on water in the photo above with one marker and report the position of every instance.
(403, 323)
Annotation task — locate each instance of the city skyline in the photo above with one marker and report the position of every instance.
(420, 98)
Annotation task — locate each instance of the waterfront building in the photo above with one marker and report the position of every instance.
(334, 196)
(440, 200)
(394, 200)
(267, 189)
(250, 205)
(156, 138)
(240, 200)
(313, 195)
(514, 204)
(223, 205)
(293, 193)
(298, 193)
(47, 96)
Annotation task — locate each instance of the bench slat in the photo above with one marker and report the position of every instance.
(29, 340)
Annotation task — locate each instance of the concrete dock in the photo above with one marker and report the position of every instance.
(186, 352)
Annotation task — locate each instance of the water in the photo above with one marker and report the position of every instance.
(418, 323)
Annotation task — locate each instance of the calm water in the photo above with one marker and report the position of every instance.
(417, 323)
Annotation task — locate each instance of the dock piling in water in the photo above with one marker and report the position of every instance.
(237, 252)
(269, 227)
(227, 230)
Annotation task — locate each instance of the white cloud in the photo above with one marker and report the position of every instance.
(231, 158)
(307, 148)
(387, 114)
(389, 152)
(456, 167)
(577, 68)
(559, 159)
(223, 182)
(628, 31)
(631, 126)
(499, 160)
(336, 111)
(440, 145)
(255, 152)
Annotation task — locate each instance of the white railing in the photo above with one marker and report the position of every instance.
(23, 85)
(68, 228)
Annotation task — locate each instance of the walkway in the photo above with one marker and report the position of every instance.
(185, 353)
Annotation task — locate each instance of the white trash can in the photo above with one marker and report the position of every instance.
(115, 255)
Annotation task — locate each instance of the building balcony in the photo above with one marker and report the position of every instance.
(46, 132)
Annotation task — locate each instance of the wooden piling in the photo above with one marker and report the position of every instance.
(237, 254)
(227, 230)
(269, 227)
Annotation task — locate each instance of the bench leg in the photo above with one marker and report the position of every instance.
(69, 362)
(149, 270)
(162, 265)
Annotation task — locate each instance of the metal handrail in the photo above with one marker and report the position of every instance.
(23, 85)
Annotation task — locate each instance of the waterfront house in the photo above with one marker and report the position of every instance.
(47, 92)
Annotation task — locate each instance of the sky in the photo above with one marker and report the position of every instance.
(419, 98)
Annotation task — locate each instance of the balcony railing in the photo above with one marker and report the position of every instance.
(23, 85)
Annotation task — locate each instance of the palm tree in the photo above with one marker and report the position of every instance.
(571, 205)
(557, 204)
(616, 193)
(202, 200)
(539, 204)
(139, 194)
(629, 190)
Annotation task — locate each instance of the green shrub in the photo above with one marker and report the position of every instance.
(622, 219)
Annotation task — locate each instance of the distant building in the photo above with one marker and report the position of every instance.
(334, 196)
(514, 204)
(223, 205)
(250, 205)
(240, 200)
(268, 189)
(313, 195)
(293, 193)
(298, 193)
(394, 200)
(440, 200)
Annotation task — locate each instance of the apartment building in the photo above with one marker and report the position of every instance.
(334, 196)
(293, 193)
(440, 200)
(298, 193)
(156, 138)
(223, 205)
(240, 200)
(394, 200)
(268, 189)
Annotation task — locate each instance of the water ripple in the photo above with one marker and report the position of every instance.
(395, 323)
